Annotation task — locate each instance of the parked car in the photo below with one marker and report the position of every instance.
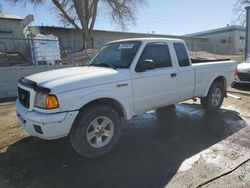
(126, 78)
(243, 72)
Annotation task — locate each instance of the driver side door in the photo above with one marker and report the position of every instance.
(157, 86)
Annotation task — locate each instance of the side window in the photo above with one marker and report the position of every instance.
(159, 53)
(182, 55)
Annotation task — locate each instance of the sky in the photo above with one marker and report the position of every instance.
(174, 17)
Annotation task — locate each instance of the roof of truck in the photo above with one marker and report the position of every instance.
(149, 39)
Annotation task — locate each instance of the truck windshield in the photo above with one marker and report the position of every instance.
(116, 55)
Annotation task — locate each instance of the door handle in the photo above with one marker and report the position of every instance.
(173, 75)
(122, 85)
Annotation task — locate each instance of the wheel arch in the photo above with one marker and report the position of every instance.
(220, 79)
(104, 96)
(116, 105)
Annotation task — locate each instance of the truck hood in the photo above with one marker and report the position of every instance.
(67, 79)
(244, 67)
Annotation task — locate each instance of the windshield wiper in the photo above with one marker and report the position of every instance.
(104, 65)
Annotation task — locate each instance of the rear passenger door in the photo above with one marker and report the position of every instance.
(186, 74)
(155, 87)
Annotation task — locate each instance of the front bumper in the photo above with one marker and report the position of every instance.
(45, 126)
(238, 80)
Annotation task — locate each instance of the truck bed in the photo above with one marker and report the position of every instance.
(206, 60)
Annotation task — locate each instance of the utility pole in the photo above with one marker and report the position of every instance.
(247, 42)
(33, 52)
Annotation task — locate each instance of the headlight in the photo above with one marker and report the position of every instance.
(46, 101)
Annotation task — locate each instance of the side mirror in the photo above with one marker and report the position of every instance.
(147, 64)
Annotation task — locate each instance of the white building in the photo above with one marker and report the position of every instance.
(229, 40)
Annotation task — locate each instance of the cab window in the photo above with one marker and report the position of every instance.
(158, 53)
(181, 54)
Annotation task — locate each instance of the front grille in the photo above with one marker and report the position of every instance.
(244, 76)
(24, 97)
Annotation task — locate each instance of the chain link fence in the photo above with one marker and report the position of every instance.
(215, 51)
(49, 51)
(35, 51)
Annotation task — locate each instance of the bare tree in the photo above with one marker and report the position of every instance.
(240, 12)
(82, 14)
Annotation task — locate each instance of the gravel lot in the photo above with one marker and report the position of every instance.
(181, 148)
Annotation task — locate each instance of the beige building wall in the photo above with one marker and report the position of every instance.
(11, 36)
(71, 39)
(102, 37)
(9, 77)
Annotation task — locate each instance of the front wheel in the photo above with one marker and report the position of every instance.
(214, 99)
(95, 131)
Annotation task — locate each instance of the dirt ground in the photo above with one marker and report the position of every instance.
(180, 148)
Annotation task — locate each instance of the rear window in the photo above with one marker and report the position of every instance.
(182, 55)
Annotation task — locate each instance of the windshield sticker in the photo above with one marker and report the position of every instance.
(125, 46)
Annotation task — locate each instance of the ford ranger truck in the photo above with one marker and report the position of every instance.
(126, 78)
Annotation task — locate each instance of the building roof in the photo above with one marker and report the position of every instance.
(10, 16)
(117, 32)
(218, 31)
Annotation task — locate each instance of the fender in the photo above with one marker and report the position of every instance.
(127, 106)
(210, 83)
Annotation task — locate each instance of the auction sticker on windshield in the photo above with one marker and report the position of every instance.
(126, 46)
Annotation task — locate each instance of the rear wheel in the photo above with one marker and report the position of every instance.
(214, 99)
(95, 131)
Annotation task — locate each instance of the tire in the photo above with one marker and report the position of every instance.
(214, 99)
(95, 131)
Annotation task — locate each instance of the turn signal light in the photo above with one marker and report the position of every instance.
(51, 102)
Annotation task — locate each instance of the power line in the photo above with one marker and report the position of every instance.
(155, 22)
(169, 21)
(170, 18)
(169, 13)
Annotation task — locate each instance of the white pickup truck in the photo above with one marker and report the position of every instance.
(126, 78)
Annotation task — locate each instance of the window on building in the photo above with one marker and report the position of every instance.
(223, 41)
(240, 51)
(242, 39)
